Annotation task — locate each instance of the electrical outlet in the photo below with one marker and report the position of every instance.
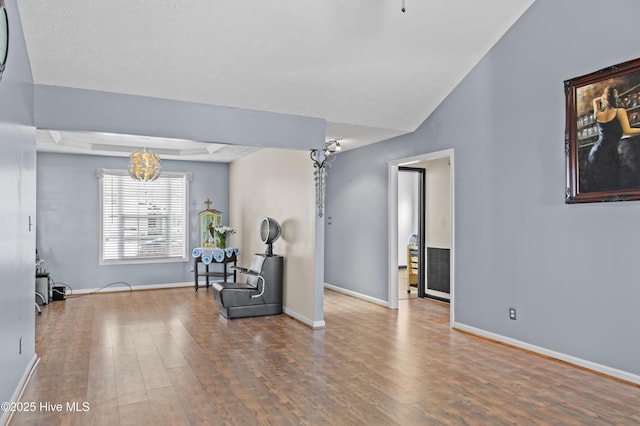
(512, 313)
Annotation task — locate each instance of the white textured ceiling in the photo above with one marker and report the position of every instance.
(370, 70)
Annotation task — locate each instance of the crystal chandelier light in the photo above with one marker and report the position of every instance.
(144, 165)
(322, 163)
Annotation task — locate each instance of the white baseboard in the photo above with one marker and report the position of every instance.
(609, 371)
(22, 384)
(303, 319)
(318, 325)
(124, 287)
(357, 295)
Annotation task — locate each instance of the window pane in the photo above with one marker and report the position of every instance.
(143, 220)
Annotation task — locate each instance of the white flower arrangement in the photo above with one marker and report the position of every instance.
(224, 231)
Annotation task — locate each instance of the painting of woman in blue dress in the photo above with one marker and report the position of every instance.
(612, 163)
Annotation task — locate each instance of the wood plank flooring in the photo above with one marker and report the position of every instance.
(403, 284)
(165, 357)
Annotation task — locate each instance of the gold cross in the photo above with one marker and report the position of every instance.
(208, 203)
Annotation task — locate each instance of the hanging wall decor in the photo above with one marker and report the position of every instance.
(602, 136)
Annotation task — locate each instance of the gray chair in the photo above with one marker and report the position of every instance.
(261, 294)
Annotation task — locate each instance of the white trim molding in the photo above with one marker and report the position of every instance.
(357, 295)
(124, 287)
(603, 369)
(5, 416)
(313, 324)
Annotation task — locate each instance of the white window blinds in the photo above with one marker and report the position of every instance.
(143, 221)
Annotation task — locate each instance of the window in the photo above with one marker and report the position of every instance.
(143, 222)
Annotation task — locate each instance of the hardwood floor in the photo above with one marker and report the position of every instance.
(165, 357)
(403, 279)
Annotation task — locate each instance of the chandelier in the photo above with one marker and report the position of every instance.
(322, 163)
(144, 165)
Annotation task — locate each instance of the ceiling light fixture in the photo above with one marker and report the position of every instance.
(333, 146)
(144, 166)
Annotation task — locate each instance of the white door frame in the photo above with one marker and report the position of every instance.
(393, 224)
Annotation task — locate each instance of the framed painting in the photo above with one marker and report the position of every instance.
(602, 135)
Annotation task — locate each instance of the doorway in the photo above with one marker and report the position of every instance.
(393, 170)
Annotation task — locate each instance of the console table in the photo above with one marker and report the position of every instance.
(208, 256)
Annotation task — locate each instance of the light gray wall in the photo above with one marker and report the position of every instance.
(17, 186)
(66, 108)
(68, 228)
(570, 270)
(356, 241)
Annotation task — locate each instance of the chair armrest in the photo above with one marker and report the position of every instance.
(260, 277)
(245, 271)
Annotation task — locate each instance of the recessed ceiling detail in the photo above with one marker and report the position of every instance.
(123, 145)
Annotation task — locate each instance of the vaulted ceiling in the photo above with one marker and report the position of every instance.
(370, 70)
